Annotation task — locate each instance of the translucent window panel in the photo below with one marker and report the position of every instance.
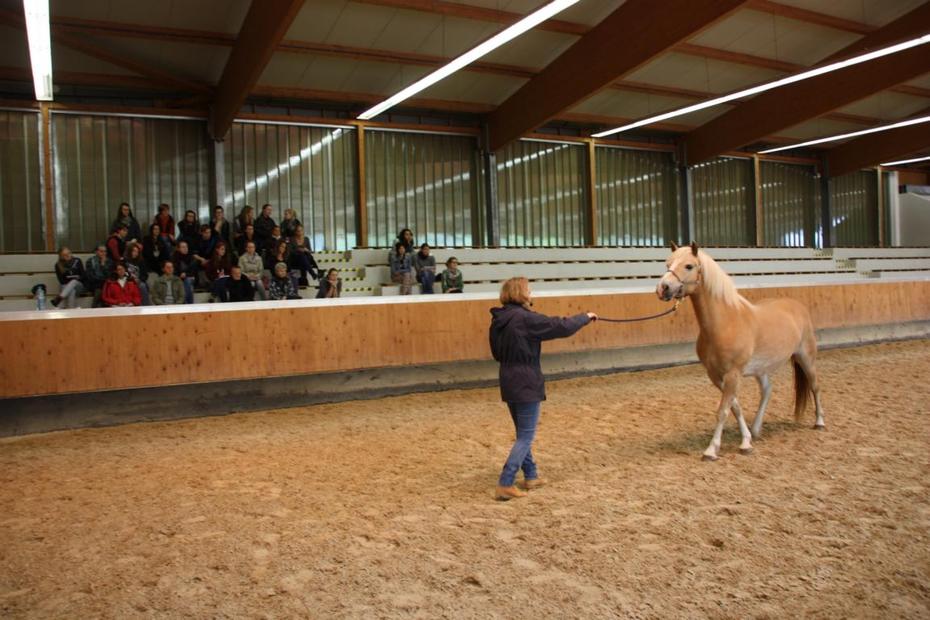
(637, 197)
(425, 182)
(101, 161)
(21, 214)
(724, 205)
(854, 209)
(309, 169)
(790, 205)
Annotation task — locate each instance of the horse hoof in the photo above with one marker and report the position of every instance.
(819, 427)
(709, 458)
(745, 451)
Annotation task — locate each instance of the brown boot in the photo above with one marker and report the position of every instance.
(534, 483)
(505, 493)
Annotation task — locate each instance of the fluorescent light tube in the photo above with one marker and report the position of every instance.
(852, 134)
(40, 47)
(755, 90)
(502, 37)
(905, 161)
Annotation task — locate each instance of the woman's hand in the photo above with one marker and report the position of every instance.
(592, 316)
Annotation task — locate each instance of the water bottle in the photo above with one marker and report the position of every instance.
(39, 292)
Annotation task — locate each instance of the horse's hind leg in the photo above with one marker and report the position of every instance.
(746, 446)
(728, 388)
(765, 388)
(806, 360)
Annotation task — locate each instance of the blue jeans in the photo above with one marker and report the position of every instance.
(525, 417)
(188, 283)
(427, 278)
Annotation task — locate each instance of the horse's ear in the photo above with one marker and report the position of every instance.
(673, 245)
(694, 248)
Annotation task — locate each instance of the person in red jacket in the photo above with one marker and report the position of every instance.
(120, 290)
(116, 243)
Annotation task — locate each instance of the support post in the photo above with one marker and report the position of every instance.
(48, 193)
(757, 184)
(880, 194)
(491, 209)
(685, 204)
(591, 186)
(361, 194)
(825, 207)
(217, 174)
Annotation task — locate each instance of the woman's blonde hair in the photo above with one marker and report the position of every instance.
(516, 291)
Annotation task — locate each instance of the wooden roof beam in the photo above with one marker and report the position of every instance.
(775, 110)
(876, 148)
(597, 59)
(262, 29)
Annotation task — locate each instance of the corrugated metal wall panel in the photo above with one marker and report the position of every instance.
(790, 204)
(21, 225)
(425, 182)
(724, 205)
(100, 161)
(637, 197)
(308, 169)
(854, 209)
(541, 193)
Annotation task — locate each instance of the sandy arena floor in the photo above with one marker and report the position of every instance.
(383, 508)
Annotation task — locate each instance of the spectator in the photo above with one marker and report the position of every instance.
(120, 289)
(302, 256)
(185, 267)
(245, 218)
(167, 288)
(330, 286)
(401, 268)
(248, 234)
(263, 226)
(166, 224)
(203, 251)
(452, 280)
(217, 272)
(239, 288)
(155, 250)
(405, 236)
(219, 225)
(276, 236)
(425, 267)
(252, 268)
(282, 286)
(281, 254)
(116, 243)
(70, 273)
(189, 228)
(289, 224)
(97, 270)
(135, 267)
(125, 217)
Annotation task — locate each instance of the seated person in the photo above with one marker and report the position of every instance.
(116, 243)
(165, 224)
(264, 229)
(189, 228)
(425, 267)
(238, 287)
(289, 223)
(137, 270)
(203, 251)
(186, 268)
(247, 235)
(155, 250)
(97, 270)
(401, 268)
(167, 288)
(330, 286)
(252, 268)
(452, 281)
(121, 290)
(217, 272)
(70, 273)
(301, 256)
(282, 286)
(280, 253)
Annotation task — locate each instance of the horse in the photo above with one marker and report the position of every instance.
(739, 338)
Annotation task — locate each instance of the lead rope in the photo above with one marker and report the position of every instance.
(643, 318)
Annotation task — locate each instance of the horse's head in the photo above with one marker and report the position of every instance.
(683, 273)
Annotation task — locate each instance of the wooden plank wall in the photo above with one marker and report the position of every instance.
(55, 356)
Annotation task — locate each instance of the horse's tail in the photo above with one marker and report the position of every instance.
(802, 390)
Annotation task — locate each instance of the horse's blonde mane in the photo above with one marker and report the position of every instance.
(717, 282)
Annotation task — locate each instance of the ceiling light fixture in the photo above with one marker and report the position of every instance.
(40, 47)
(852, 134)
(755, 90)
(502, 37)
(905, 161)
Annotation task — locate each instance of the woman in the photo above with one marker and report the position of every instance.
(516, 336)
(330, 286)
(247, 236)
(219, 224)
(166, 223)
(70, 273)
(282, 286)
(137, 271)
(245, 218)
(185, 267)
(280, 254)
(401, 269)
(121, 290)
(253, 268)
(124, 216)
(217, 271)
(452, 279)
(424, 264)
(302, 256)
(154, 249)
(290, 223)
(189, 228)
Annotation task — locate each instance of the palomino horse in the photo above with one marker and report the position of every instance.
(740, 339)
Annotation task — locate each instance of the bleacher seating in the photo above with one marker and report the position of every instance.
(365, 272)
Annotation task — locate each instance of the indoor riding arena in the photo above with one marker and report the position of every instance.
(465, 309)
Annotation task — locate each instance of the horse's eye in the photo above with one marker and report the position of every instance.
(689, 267)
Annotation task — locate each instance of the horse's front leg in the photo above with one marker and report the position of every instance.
(728, 389)
(765, 389)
